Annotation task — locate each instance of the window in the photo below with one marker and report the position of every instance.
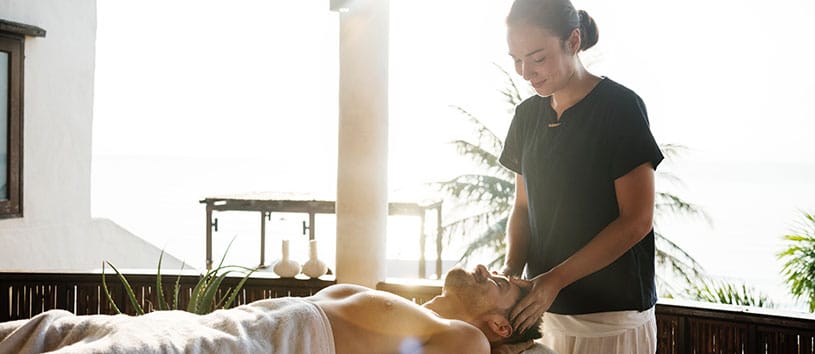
(11, 125)
(12, 44)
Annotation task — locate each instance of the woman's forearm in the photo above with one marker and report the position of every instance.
(518, 232)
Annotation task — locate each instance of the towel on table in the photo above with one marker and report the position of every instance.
(282, 325)
(538, 348)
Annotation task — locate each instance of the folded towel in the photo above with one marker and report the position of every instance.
(283, 325)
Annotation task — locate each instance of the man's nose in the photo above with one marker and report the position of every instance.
(481, 268)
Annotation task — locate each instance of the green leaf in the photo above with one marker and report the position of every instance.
(799, 260)
(237, 289)
(198, 290)
(177, 287)
(129, 290)
(162, 303)
(207, 301)
(107, 291)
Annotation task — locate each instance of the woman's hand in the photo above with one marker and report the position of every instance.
(543, 291)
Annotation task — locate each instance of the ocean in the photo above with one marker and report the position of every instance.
(750, 205)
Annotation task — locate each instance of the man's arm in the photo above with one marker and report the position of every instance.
(517, 231)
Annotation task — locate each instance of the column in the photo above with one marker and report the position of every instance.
(362, 186)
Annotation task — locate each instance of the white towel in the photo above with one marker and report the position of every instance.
(624, 332)
(283, 325)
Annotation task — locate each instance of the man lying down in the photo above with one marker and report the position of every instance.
(470, 316)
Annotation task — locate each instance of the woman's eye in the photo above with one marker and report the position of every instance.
(540, 60)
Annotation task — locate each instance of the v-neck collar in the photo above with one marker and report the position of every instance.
(553, 121)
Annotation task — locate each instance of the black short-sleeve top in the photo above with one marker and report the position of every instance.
(569, 172)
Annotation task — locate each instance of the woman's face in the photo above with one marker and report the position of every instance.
(541, 58)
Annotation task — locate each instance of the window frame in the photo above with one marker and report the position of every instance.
(14, 46)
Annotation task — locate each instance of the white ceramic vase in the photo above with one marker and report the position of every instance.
(285, 267)
(314, 268)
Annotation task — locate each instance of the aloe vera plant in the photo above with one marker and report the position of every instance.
(202, 297)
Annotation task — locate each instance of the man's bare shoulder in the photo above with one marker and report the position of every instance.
(460, 337)
(339, 291)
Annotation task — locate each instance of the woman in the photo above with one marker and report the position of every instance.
(582, 220)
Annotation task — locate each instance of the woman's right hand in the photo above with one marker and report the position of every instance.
(543, 290)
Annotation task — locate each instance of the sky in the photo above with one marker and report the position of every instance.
(257, 81)
(727, 78)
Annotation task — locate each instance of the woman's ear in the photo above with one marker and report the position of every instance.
(574, 41)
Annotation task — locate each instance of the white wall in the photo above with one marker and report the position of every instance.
(56, 231)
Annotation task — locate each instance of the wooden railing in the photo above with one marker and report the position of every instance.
(683, 327)
(24, 295)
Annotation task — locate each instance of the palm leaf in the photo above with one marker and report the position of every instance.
(799, 260)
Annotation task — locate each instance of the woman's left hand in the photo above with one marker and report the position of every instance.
(543, 291)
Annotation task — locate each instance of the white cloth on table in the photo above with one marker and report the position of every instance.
(282, 325)
(620, 332)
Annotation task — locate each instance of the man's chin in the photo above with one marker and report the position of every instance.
(458, 278)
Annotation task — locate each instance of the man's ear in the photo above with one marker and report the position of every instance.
(499, 325)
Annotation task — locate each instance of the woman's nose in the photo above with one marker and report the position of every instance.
(527, 71)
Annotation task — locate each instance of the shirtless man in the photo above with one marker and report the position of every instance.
(468, 317)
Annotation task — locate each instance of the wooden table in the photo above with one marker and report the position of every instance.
(268, 202)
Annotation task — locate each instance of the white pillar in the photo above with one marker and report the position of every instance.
(362, 176)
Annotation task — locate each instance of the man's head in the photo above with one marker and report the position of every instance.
(487, 299)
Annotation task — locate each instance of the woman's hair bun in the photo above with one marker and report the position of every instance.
(588, 30)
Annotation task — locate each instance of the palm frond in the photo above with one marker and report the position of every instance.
(799, 260)
(485, 136)
(723, 292)
(480, 188)
(670, 205)
(486, 159)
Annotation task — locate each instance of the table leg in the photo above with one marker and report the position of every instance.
(262, 239)
(439, 232)
(422, 242)
(208, 258)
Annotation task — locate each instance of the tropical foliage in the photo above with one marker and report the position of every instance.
(482, 200)
(202, 298)
(728, 293)
(799, 261)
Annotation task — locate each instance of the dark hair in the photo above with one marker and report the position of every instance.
(530, 333)
(557, 16)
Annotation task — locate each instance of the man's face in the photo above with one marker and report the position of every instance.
(482, 292)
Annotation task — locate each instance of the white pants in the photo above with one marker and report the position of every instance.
(619, 332)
